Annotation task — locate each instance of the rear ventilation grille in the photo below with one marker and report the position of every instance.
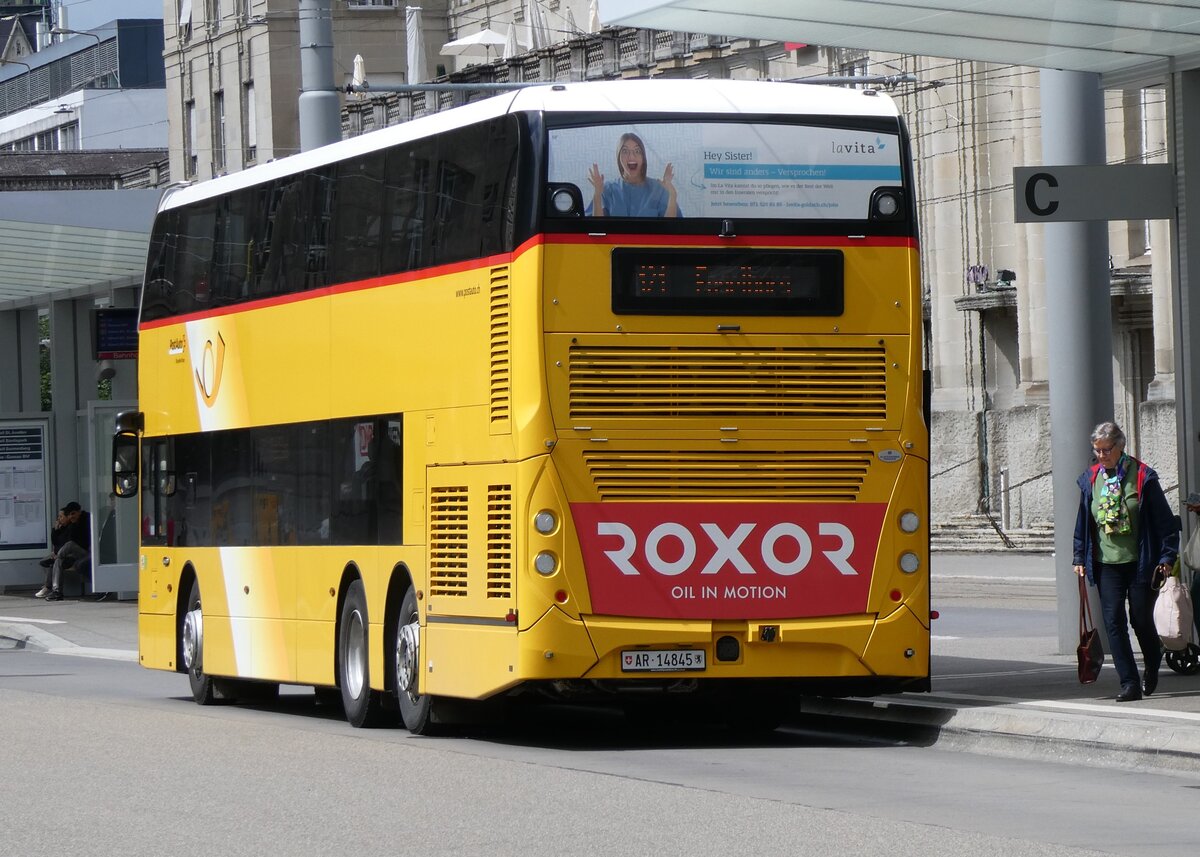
(499, 406)
(797, 383)
(499, 541)
(810, 475)
(448, 541)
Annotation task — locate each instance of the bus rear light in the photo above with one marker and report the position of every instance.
(896, 595)
(561, 596)
(545, 563)
(933, 614)
(545, 522)
(909, 521)
(909, 562)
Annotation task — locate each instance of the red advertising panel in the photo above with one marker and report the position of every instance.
(728, 560)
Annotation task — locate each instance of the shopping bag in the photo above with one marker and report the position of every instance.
(1090, 652)
(1191, 551)
(1173, 615)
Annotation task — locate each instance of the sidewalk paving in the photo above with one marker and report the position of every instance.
(999, 683)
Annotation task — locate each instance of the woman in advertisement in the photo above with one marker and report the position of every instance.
(634, 195)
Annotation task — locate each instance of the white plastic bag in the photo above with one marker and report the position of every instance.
(1173, 615)
(1191, 551)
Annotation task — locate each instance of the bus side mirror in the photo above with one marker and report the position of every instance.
(125, 464)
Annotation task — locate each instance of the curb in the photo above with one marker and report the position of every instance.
(27, 636)
(1151, 742)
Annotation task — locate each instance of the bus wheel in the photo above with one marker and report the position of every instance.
(192, 643)
(361, 704)
(416, 710)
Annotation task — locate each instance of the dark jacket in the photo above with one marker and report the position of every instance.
(1158, 531)
(80, 531)
(59, 536)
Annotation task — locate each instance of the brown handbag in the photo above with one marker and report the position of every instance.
(1090, 652)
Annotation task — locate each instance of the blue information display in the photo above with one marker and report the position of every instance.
(116, 333)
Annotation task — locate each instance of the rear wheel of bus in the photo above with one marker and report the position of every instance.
(362, 705)
(415, 709)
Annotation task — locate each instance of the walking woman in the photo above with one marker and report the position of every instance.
(1125, 534)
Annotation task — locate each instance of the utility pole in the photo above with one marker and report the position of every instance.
(320, 110)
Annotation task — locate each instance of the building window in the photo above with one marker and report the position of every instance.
(189, 139)
(249, 124)
(68, 136)
(218, 131)
(852, 63)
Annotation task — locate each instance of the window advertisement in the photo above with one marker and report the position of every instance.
(726, 170)
(24, 488)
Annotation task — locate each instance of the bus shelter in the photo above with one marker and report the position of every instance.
(71, 266)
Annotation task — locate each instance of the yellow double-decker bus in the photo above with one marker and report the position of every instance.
(588, 390)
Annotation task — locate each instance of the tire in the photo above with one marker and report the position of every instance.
(1186, 662)
(191, 649)
(416, 710)
(362, 705)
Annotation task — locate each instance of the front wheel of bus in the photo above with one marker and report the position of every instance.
(416, 710)
(361, 704)
(192, 644)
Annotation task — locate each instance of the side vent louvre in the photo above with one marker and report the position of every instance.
(499, 541)
(500, 351)
(448, 541)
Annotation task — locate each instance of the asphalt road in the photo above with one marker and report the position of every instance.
(101, 757)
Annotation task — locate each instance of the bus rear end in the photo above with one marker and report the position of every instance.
(737, 487)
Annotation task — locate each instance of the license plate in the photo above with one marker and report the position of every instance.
(661, 660)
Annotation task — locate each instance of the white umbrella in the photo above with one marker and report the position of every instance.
(512, 49)
(359, 78)
(593, 16)
(480, 43)
(535, 18)
(415, 38)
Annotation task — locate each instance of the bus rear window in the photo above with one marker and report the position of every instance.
(727, 282)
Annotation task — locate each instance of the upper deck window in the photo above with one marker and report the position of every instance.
(720, 170)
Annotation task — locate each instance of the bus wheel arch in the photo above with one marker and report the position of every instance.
(187, 578)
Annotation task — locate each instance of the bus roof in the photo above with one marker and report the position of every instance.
(717, 97)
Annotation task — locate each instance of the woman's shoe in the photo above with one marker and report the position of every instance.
(1132, 693)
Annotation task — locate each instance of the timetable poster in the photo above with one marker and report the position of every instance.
(23, 486)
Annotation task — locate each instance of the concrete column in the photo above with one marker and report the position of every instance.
(20, 378)
(65, 362)
(1079, 318)
(1183, 132)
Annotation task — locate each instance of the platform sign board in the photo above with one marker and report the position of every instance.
(116, 333)
(1110, 192)
(24, 488)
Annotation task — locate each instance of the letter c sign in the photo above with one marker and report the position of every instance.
(1031, 188)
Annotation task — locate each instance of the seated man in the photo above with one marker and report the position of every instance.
(58, 537)
(76, 537)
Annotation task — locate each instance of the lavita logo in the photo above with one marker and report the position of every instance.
(857, 147)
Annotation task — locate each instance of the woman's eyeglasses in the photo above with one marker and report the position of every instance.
(1103, 450)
